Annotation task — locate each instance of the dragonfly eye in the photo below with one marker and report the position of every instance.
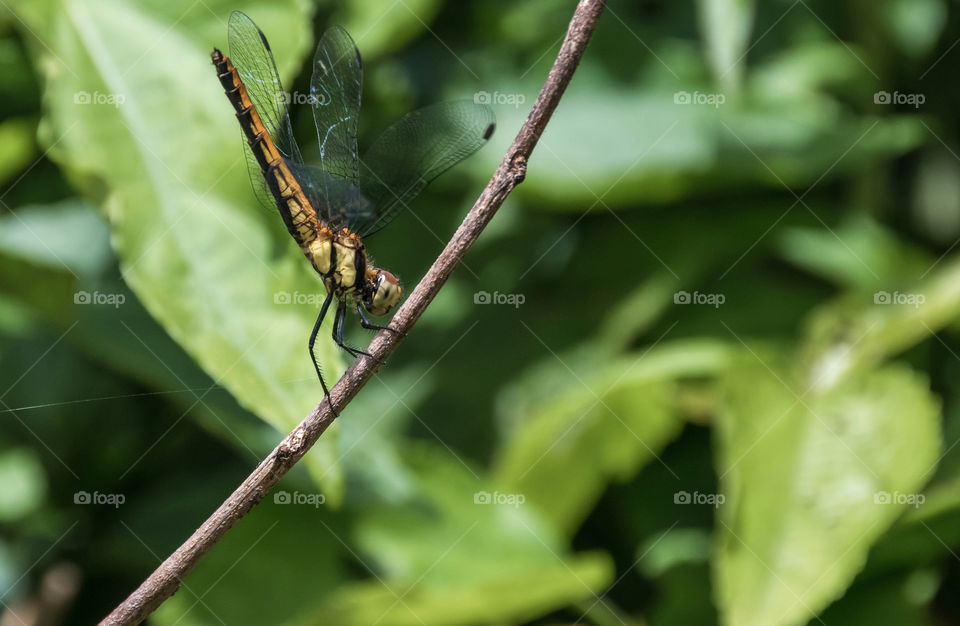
(383, 294)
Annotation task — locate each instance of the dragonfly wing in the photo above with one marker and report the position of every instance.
(253, 59)
(330, 195)
(335, 90)
(257, 181)
(413, 152)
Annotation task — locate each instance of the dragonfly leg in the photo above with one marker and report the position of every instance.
(338, 332)
(366, 323)
(313, 340)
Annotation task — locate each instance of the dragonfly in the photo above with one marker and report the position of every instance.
(331, 206)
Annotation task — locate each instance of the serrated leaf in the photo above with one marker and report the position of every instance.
(137, 117)
(807, 482)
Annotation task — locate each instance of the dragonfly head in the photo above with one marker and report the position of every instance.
(382, 293)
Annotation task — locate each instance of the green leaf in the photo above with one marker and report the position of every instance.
(572, 444)
(455, 558)
(276, 562)
(513, 597)
(914, 25)
(19, 147)
(46, 235)
(159, 143)
(859, 331)
(385, 25)
(806, 482)
(24, 483)
(726, 26)
(858, 254)
(787, 128)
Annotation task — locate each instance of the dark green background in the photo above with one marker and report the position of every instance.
(797, 402)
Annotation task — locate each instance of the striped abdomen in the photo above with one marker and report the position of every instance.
(296, 211)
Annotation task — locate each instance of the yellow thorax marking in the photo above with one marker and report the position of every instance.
(346, 271)
(319, 252)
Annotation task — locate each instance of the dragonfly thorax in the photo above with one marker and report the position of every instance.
(341, 260)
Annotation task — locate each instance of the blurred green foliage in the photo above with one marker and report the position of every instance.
(726, 396)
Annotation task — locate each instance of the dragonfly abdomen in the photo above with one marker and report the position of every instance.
(297, 213)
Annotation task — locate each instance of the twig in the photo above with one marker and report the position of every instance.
(165, 580)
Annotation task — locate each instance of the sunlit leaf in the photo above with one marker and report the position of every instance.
(811, 478)
(19, 147)
(459, 551)
(24, 482)
(513, 597)
(605, 427)
(726, 27)
(865, 328)
(384, 25)
(137, 115)
(47, 235)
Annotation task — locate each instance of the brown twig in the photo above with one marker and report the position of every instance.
(165, 580)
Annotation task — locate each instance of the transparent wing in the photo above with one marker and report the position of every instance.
(413, 152)
(332, 196)
(257, 181)
(335, 96)
(251, 55)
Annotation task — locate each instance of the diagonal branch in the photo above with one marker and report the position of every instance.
(165, 580)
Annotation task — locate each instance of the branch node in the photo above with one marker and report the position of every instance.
(292, 444)
(518, 169)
